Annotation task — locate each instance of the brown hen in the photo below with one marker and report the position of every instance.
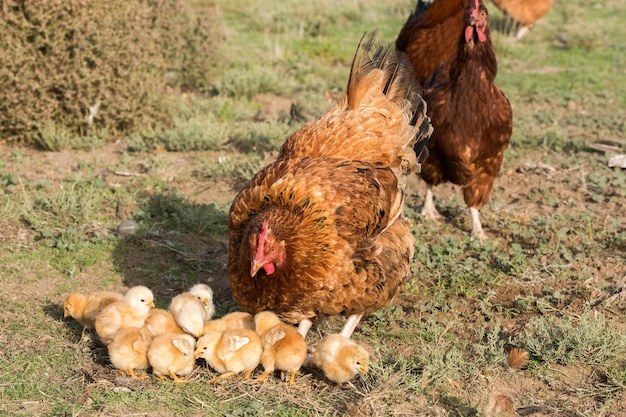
(320, 232)
(472, 119)
(430, 35)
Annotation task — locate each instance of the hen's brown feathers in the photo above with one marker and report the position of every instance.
(333, 197)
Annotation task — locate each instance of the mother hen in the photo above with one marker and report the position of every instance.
(320, 232)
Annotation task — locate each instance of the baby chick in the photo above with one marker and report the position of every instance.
(128, 350)
(204, 293)
(340, 358)
(230, 352)
(131, 311)
(84, 308)
(189, 313)
(160, 322)
(283, 347)
(172, 354)
(231, 321)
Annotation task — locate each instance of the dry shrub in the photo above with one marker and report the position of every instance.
(92, 66)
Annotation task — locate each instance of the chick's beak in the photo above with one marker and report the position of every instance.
(65, 314)
(197, 355)
(150, 304)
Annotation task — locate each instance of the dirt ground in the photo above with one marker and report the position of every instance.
(520, 193)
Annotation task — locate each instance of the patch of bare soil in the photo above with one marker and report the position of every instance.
(521, 192)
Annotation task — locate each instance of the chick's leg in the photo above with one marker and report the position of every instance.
(176, 378)
(292, 377)
(223, 376)
(428, 210)
(133, 375)
(477, 228)
(351, 324)
(263, 376)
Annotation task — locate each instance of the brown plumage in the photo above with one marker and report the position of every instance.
(471, 116)
(523, 13)
(430, 35)
(320, 231)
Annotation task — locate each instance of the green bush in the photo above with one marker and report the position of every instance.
(86, 67)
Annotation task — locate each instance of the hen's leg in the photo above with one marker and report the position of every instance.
(477, 228)
(428, 210)
(304, 326)
(351, 324)
(522, 32)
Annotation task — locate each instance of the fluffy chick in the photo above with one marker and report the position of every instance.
(128, 350)
(231, 321)
(84, 308)
(189, 313)
(131, 311)
(340, 358)
(230, 352)
(172, 354)
(160, 322)
(283, 347)
(204, 293)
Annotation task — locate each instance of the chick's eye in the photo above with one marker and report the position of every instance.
(142, 300)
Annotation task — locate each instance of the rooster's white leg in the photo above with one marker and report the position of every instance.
(428, 210)
(477, 228)
(304, 326)
(351, 324)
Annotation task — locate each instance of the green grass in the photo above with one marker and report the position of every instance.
(541, 283)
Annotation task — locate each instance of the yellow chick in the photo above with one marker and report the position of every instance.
(160, 322)
(128, 350)
(189, 313)
(84, 308)
(340, 358)
(204, 293)
(231, 321)
(173, 355)
(283, 347)
(230, 352)
(131, 311)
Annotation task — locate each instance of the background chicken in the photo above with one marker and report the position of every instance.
(320, 231)
(84, 308)
(472, 119)
(430, 35)
(340, 358)
(230, 352)
(522, 13)
(283, 347)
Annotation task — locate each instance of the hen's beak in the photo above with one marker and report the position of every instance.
(472, 21)
(256, 265)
